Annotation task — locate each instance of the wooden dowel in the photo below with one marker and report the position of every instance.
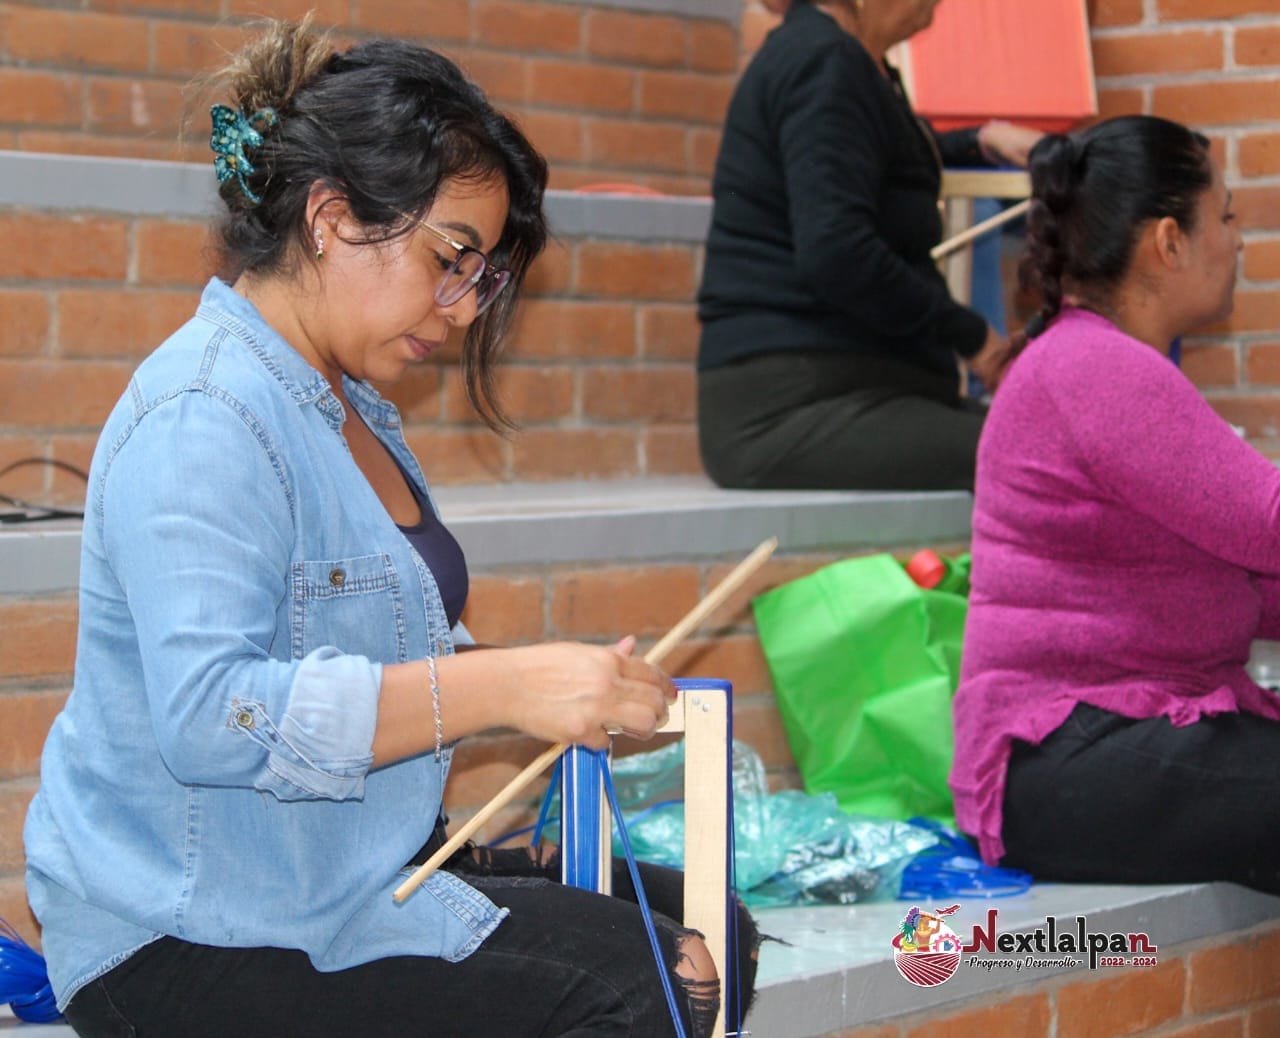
(711, 602)
(958, 241)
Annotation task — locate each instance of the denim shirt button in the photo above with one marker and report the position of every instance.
(244, 718)
(337, 577)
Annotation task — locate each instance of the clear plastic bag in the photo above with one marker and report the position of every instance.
(790, 847)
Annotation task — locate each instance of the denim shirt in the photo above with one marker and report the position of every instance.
(241, 586)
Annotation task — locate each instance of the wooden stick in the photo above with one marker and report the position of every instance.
(713, 600)
(962, 239)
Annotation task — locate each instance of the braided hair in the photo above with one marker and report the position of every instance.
(1091, 195)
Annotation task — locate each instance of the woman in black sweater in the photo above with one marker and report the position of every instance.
(829, 345)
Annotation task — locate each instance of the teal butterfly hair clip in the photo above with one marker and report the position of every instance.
(232, 133)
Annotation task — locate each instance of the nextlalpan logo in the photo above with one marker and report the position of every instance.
(927, 951)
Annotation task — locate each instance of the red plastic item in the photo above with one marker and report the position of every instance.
(926, 568)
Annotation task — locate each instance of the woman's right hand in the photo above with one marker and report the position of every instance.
(580, 694)
(990, 361)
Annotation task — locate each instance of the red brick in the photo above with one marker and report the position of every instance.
(550, 273)
(664, 394)
(713, 47)
(187, 48)
(606, 603)
(14, 908)
(172, 253)
(468, 456)
(27, 481)
(418, 393)
(134, 105)
(1262, 363)
(685, 95)
(500, 76)
(528, 26)
(1158, 53)
(24, 316)
(580, 86)
(669, 332)
(1255, 311)
(527, 394)
(544, 454)
(1230, 976)
(632, 145)
(112, 323)
(32, 98)
(46, 247)
(671, 450)
(1120, 101)
(729, 657)
(1203, 10)
(482, 767)
(506, 610)
(76, 39)
(1222, 101)
(1256, 208)
(670, 184)
(48, 393)
(1262, 260)
(1259, 415)
(1108, 1008)
(170, 7)
(1027, 1017)
(1103, 13)
(704, 147)
(327, 12)
(14, 798)
(443, 20)
(756, 722)
(1224, 1027)
(1263, 1021)
(1259, 154)
(66, 143)
(636, 39)
(1257, 45)
(1211, 364)
(560, 137)
(25, 717)
(68, 488)
(658, 272)
(549, 329)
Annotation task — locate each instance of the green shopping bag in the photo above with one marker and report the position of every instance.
(864, 663)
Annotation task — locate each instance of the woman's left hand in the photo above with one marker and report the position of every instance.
(1005, 144)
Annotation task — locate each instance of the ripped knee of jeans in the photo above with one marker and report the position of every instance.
(695, 973)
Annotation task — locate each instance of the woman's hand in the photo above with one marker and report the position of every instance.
(580, 694)
(1004, 144)
(990, 361)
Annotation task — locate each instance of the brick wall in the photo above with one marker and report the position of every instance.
(607, 94)
(1225, 987)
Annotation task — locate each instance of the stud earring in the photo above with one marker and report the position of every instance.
(319, 244)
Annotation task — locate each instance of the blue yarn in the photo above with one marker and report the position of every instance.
(24, 979)
(951, 868)
(643, 901)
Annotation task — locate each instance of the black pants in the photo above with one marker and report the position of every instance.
(1109, 799)
(830, 421)
(564, 963)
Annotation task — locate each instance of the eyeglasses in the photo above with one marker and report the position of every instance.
(471, 269)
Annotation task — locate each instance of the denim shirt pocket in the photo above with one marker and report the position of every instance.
(354, 604)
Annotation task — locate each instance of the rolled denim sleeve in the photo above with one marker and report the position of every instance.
(198, 527)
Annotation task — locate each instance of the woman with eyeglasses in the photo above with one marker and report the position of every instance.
(268, 683)
(829, 346)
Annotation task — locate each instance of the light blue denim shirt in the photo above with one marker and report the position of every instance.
(241, 586)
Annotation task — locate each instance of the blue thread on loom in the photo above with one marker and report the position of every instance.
(643, 901)
(24, 979)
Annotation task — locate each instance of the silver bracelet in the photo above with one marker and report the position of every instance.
(435, 705)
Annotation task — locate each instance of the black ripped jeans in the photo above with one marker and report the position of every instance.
(565, 963)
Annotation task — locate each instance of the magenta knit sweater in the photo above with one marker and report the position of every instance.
(1126, 551)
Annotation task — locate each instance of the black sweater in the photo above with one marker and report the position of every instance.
(825, 209)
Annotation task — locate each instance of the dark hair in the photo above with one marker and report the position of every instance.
(385, 124)
(1091, 194)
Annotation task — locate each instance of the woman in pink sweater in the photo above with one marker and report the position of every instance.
(1126, 545)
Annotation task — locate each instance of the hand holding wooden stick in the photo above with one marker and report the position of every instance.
(709, 604)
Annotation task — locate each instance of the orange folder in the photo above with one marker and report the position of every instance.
(1027, 61)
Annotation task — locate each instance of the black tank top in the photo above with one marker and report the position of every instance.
(442, 554)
